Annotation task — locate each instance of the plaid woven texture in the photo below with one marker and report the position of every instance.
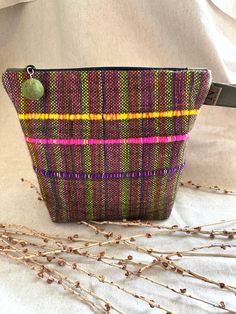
(109, 144)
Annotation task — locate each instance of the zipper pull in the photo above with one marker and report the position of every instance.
(30, 68)
(32, 88)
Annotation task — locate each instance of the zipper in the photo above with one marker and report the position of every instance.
(102, 68)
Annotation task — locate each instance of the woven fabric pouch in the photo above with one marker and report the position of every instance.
(108, 143)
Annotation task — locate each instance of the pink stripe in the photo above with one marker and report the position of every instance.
(91, 141)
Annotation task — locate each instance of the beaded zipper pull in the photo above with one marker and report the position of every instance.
(32, 88)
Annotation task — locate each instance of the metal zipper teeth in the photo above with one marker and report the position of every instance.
(104, 68)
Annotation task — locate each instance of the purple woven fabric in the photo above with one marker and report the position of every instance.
(109, 143)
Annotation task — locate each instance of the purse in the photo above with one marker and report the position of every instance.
(108, 143)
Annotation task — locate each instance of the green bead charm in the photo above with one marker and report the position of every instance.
(32, 89)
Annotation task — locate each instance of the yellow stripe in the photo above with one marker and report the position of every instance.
(107, 116)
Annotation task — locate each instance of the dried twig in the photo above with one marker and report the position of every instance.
(215, 188)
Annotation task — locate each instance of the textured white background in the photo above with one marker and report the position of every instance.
(54, 34)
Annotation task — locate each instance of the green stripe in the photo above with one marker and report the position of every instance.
(190, 120)
(156, 152)
(140, 179)
(196, 86)
(156, 107)
(52, 85)
(168, 98)
(168, 149)
(56, 150)
(87, 152)
(178, 174)
(163, 184)
(187, 94)
(125, 148)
